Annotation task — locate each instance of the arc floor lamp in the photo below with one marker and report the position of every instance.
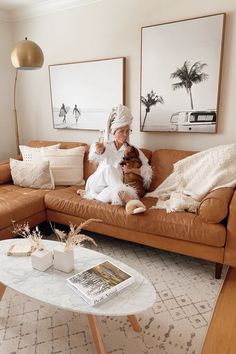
(26, 55)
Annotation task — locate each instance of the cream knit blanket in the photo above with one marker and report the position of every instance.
(195, 176)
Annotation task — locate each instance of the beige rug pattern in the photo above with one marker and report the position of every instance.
(176, 324)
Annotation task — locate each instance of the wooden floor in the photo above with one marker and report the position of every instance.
(221, 336)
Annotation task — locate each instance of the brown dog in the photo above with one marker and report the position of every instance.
(131, 160)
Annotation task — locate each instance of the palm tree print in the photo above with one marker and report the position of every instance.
(189, 75)
(150, 100)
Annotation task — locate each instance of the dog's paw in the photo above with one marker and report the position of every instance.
(81, 192)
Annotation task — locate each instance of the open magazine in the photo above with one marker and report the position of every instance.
(98, 283)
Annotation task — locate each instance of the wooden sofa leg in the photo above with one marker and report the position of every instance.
(2, 290)
(218, 270)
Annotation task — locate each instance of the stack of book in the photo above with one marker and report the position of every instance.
(98, 283)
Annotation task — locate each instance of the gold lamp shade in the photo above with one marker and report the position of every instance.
(27, 55)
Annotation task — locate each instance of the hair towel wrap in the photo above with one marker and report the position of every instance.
(120, 116)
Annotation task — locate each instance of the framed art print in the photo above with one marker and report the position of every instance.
(83, 93)
(180, 75)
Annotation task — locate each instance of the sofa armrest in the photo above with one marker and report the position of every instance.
(230, 246)
(5, 172)
(215, 205)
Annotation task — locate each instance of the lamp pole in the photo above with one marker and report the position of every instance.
(15, 116)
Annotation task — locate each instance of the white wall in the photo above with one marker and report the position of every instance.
(112, 28)
(7, 128)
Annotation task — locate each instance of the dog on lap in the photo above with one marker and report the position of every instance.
(131, 160)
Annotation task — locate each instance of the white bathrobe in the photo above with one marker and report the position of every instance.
(107, 181)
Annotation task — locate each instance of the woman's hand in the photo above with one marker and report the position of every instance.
(136, 171)
(100, 148)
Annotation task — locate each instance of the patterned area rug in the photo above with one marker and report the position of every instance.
(176, 324)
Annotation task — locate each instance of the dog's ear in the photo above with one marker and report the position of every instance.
(132, 149)
(136, 151)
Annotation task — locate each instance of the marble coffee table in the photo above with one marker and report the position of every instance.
(50, 287)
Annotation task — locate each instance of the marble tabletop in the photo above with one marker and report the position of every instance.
(50, 286)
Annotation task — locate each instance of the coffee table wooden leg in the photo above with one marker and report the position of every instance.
(2, 290)
(134, 322)
(93, 323)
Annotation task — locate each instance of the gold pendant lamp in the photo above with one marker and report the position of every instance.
(27, 55)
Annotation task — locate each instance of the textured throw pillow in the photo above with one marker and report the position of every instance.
(30, 174)
(66, 165)
(31, 154)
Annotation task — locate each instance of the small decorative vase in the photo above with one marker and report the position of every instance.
(63, 260)
(41, 259)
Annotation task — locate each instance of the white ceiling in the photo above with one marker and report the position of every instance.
(14, 4)
(15, 10)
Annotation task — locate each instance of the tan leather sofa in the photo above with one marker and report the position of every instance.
(210, 235)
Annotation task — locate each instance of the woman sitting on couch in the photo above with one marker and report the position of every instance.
(106, 183)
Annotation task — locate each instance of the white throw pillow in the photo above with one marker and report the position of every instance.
(66, 164)
(30, 174)
(32, 154)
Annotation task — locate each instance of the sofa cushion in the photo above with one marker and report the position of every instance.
(89, 167)
(181, 225)
(32, 174)
(214, 207)
(66, 165)
(18, 203)
(33, 154)
(162, 162)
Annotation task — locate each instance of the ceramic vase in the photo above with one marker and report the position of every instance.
(42, 259)
(63, 260)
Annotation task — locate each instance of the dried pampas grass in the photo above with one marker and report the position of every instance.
(74, 238)
(34, 236)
